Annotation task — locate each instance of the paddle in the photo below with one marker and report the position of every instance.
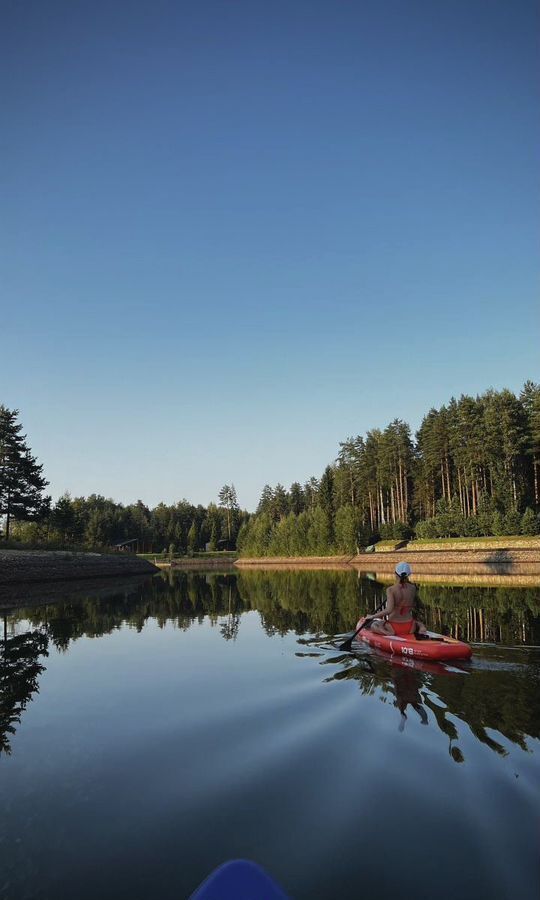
(347, 645)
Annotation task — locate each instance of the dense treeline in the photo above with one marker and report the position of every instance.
(472, 470)
(97, 522)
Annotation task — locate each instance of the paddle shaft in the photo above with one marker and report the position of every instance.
(346, 645)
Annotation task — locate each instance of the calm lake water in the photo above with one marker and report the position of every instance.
(152, 730)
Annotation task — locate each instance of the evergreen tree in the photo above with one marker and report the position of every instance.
(530, 522)
(229, 502)
(297, 500)
(282, 542)
(258, 538)
(213, 525)
(349, 466)
(311, 491)
(530, 399)
(97, 530)
(299, 541)
(347, 529)
(370, 467)
(326, 499)
(505, 443)
(265, 503)
(135, 522)
(319, 537)
(63, 518)
(280, 503)
(21, 476)
(160, 523)
(242, 537)
(192, 537)
(214, 535)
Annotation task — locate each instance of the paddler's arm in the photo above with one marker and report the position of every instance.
(389, 608)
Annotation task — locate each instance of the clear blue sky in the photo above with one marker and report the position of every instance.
(235, 233)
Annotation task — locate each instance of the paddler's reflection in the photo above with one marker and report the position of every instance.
(448, 728)
(407, 683)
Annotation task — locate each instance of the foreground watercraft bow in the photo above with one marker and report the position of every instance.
(239, 879)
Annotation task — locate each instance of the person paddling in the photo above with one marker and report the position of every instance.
(397, 616)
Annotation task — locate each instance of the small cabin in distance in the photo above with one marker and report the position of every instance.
(130, 546)
(224, 544)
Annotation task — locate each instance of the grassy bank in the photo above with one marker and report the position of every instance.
(508, 542)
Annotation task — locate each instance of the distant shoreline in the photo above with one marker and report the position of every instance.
(429, 563)
(196, 563)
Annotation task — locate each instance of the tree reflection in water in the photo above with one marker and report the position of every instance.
(407, 690)
(229, 629)
(489, 699)
(19, 672)
(497, 695)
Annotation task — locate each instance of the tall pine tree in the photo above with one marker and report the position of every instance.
(21, 476)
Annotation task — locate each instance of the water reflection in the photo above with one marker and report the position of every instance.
(229, 628)
(480, 699)
(496, 697)
(320, 602)
(20, 668)
(407, 683)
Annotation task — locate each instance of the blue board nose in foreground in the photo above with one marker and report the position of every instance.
(239, 879)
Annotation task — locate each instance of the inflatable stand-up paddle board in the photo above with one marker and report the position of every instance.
(436, 646)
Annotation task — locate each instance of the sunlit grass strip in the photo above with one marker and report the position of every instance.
(517, 542)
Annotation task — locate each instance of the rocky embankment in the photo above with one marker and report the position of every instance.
(501, 562)
(451, 562)
(32, 566)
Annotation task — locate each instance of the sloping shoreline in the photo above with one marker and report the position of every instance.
(31, 566)
(196, 564)
(435, 562)
(307, 562)
(40, 566)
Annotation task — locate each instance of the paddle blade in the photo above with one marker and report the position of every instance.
(347, 645)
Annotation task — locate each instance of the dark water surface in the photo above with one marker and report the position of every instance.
(156, 729)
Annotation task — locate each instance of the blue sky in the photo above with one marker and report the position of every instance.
(236, 233)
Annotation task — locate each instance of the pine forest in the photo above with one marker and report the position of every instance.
(471, 469)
